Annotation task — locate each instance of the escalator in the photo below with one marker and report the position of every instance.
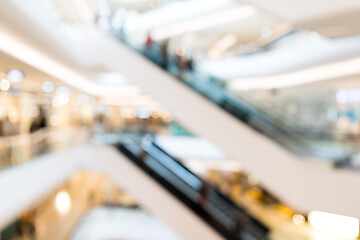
(227, 218)
(269, 122)
(299, 140)
(282, 173)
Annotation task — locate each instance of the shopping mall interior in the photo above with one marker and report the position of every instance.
(179, 120)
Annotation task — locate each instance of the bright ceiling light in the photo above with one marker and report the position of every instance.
(348, 96)
(204, 22)
(15, 75)
(48, 87)
(343, 226)
(298, 219)
(143, 113)
(5, 85)
(62, 202)
(265, 32)
(61, 100)
(325, 72)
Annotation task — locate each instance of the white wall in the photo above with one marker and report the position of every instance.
(335, 18)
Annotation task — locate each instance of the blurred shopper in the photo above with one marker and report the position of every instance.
(143, 126)
(26, 228)
(190, 64)
(43, 122)
(39, 122)
(149, 46)
(181, 65)
(98, 127)
(203, 198)
(165, 53)
(149, 41)
(240, 222)
(9, 128)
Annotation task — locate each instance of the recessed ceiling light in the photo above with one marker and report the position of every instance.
(15, 75)
(5, 85)
(48, 87)
(265, 32)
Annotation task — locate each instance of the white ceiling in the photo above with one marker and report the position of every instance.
(76, 61)
(332, 18)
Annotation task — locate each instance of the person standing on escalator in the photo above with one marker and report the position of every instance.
(149, 46)
(240, 223)
(165, 54)
(203, 198)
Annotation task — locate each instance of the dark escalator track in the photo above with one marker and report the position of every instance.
(227, 218)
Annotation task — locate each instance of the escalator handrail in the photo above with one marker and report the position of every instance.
(210, 187)
(219, 227)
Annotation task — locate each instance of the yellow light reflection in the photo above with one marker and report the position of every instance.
(61, 100)
(5, 85)
(298, 219)
(62, 202)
